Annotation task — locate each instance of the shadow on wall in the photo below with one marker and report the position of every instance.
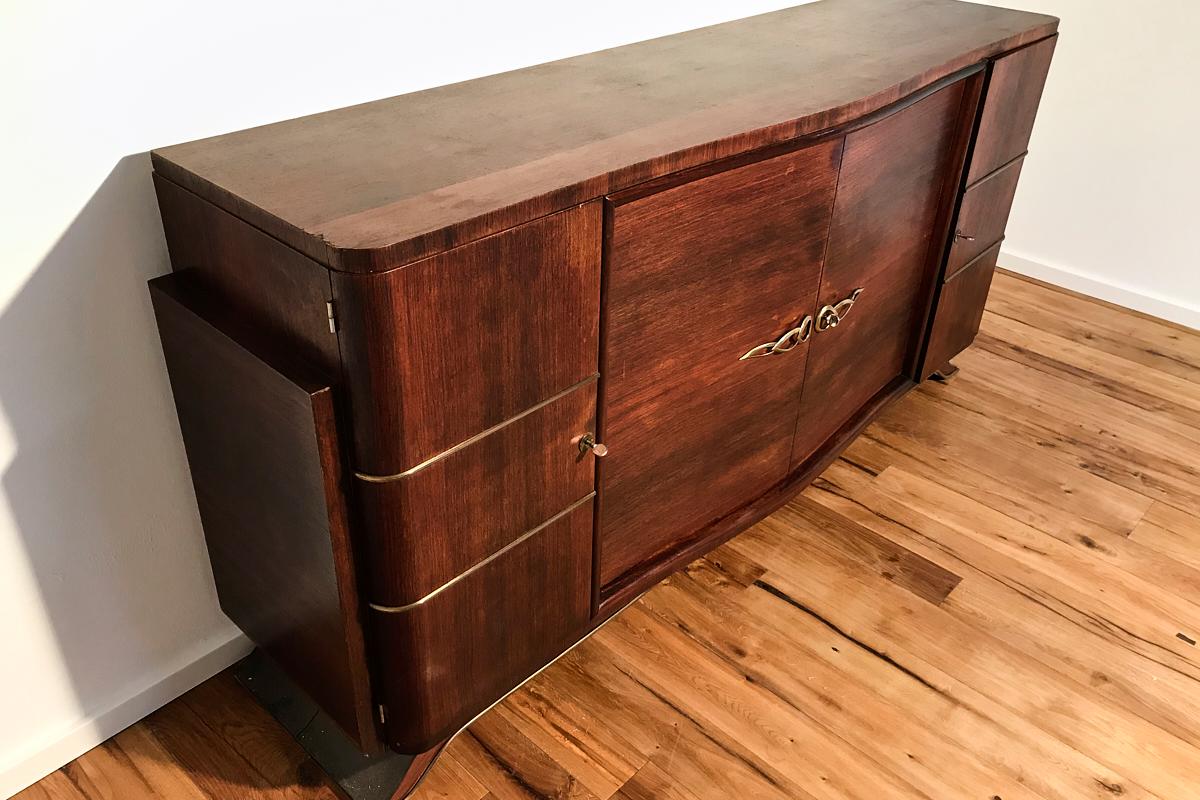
(99, 486)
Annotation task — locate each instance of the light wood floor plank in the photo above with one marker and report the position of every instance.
(1152, 344)
(993, 594)
(891, 621)
(1129, 658)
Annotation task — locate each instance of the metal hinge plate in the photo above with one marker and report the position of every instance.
(329, 310)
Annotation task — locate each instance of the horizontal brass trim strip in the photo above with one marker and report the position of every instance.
(480, 564)
(468, 442)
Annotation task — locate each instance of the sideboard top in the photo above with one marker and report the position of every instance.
(374, 186)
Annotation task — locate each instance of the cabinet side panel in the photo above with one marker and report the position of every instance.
(250, 272)
(262, 446)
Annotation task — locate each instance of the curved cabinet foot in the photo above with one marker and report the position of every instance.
(382, 776)
(945, 373)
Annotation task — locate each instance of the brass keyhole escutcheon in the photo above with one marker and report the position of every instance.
(588, 442)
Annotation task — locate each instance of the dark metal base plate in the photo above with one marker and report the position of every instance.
(359, 776)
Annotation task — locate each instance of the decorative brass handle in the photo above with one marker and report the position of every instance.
(789, 341)
(960, 236)
(588, 442)
(832, 316)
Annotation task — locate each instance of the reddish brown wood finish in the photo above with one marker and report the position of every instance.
(698, 275)
(960, 310)
(448, 659)
(1013, 94)
(983, 216)
(627, 590)
(253, 274)
(732, 179)
(429, 526)
(448, 347)
(377, 185)
(262, 444)
(882, 240)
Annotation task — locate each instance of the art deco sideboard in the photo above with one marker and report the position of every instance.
(461, 373)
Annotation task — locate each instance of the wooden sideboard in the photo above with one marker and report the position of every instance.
(461, 373)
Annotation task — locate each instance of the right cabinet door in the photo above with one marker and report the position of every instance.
(884, 245)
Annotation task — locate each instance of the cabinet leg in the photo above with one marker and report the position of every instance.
(945, 373)
(385, 776)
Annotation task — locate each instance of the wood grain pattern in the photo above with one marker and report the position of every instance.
(446, 348)
(698, 275)
(882, 240)
(959, 310)
(983, 216)
(337, 187)
(253, 274)
(522, 609)
(428, 527)
(1013, 94)
(261, 437)
(1024, 643)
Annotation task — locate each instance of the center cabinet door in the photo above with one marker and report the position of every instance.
(699, 275)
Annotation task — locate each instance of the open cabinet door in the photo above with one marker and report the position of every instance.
(260, 430)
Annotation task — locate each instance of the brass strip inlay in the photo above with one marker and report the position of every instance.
(480, 564)
(529, 678)
(468, 442)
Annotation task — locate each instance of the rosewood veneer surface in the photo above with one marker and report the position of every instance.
(372, 186)
(560, 332)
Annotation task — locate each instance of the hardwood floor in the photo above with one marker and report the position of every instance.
(994, 594)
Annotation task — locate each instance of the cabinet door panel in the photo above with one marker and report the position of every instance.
(698, 275)
(895, 174)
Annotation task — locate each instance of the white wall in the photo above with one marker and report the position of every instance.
(108, 606)
(1109, 200)
(107, 603)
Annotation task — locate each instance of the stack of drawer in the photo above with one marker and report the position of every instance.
(1011, 100)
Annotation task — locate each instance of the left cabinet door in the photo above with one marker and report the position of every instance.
(699, 275)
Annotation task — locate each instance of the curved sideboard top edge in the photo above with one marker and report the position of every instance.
(543, 153)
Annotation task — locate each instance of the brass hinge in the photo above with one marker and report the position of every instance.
(332, 316)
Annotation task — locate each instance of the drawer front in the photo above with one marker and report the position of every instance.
(449, 658)
(1013, 93)
(983, 215)
(698, 276)
(432, 523)
(440, 350)
(896, 176)
(960, 310)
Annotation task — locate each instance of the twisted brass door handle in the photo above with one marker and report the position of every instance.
(831, 316)
(789, 341)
